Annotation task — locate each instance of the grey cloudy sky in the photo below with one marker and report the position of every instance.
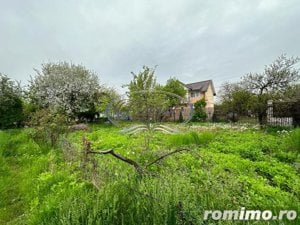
(191, 39)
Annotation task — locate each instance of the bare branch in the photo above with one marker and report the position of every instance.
(138, 168)
(118, 156)
(166, 155)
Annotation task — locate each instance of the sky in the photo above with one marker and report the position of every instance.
(191, 40)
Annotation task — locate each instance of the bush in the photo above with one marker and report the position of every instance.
(276, 128)
(48, 126)
(199, 111)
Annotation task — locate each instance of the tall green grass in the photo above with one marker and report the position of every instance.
(22, 160)
(190, 139)
(294, 140)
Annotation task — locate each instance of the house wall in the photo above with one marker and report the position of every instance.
(195, 99)
(187, 95)
(209, 99)
(208, 95)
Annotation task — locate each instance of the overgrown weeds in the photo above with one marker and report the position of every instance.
(224, 170)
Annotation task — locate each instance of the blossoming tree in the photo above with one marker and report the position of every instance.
(69, 88)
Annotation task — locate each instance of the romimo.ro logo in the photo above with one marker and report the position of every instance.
(243, 214)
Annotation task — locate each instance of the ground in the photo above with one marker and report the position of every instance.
(224, 166)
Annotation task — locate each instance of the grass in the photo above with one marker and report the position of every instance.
(224, 169)
(295, 140)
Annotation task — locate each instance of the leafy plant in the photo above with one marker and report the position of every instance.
(199, 111)
(47, 125)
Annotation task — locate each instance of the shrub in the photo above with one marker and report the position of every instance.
(199, 111)
(48, 126)
(275, 129)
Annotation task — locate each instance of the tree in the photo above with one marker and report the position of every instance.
(175, 87)
(147, 101)
(199, 111)
(275, 79)
(175, 93)
(235, 98)
(111, 103)
(292, 96)
(292, 93)
(69, 88)
(11, 107)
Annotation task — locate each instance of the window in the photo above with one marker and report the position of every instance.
(195, 94)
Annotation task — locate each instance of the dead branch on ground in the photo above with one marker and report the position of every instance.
(166, 155)
(88, 150)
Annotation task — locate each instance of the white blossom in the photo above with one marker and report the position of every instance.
(68, 87)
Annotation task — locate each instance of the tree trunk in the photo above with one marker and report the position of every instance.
(260, 118)
(262, 114)
(261, 111)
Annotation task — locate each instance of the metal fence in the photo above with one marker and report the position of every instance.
(280, 113)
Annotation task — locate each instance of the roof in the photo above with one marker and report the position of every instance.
(201, 85)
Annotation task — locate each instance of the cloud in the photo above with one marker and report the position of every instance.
(192, 40)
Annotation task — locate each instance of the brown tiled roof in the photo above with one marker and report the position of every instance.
(201, 86)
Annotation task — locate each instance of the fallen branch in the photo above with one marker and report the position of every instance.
(118, 156)
(140, 169)
(166, 155)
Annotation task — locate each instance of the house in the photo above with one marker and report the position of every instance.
(201, 90)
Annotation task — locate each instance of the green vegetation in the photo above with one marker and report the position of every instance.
(153, 102)
(146, 173)
(278, 82)
(11, 107)
(199, 111)
(145, 102)
(174, 86)
(221, 169)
